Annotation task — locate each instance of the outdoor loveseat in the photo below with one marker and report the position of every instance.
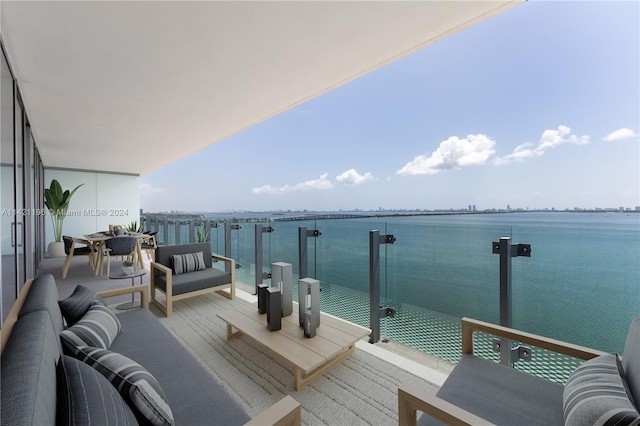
(44, 382)
(602, 390)
(186, 270)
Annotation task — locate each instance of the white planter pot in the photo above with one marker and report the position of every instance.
(127, 270)
(56, 249)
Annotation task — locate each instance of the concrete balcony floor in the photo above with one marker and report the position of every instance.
(360, 390)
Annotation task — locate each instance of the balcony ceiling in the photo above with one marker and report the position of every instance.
(133, 86)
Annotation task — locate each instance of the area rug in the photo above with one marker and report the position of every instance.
(362, 390)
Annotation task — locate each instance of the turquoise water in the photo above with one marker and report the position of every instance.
(581, 283)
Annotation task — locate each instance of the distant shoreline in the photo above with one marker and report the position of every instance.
(306, 215)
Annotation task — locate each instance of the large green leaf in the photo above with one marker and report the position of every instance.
(57, 201)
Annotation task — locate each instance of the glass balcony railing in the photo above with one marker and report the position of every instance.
(580, 285)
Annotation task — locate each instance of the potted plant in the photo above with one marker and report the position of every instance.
(127, 267)
(202, 236)
(133, 227)
(57, 201)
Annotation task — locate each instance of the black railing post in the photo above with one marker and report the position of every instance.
(507, 251)
(260, 275)
(228, 227)
(176, 230)
(303, 261)
(376, 310)
(165, 231)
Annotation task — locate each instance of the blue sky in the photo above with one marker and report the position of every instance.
(538, 107)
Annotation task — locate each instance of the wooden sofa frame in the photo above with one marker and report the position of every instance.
(286, 412)
(412, 399)
(167, 307)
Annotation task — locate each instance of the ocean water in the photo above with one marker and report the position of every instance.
(581, 283)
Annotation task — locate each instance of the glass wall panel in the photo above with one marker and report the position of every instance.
(7, 182)
(18, 219)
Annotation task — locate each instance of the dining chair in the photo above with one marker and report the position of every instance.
(120, 246)
(85, 248)
(149, 244)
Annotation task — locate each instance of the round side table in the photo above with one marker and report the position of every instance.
(121, 276)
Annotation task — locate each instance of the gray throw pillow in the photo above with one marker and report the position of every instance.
(183, 263)
(75, 306)
(595, 393)
(86, 397)
(134, 382)
(98, 327)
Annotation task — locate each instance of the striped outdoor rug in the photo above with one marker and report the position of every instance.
(362, 390)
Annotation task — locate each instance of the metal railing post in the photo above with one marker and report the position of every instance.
(165, 231)
(192, 226)
(507, 251)
(376, 310)
(176, 230)
(260, 275)
(228, 227)
(303, 261)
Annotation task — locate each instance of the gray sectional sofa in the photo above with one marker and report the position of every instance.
(602, 390)
(31, 391)
(179, 283)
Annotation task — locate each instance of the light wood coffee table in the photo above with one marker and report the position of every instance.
(335, 340)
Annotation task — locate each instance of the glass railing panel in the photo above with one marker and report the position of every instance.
(440, 269)
(581, 284)
(342, 267)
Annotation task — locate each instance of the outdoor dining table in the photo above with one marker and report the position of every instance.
(97, 240)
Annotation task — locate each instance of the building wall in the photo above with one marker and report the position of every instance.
(103, 199)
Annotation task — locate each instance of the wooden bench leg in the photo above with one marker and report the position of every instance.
(230, 333)
(301, 380)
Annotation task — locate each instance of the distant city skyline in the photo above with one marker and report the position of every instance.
(538, 107)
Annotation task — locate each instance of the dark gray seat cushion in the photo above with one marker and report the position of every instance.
(501, 395)
(196, 280)
(184, 380)
(28, 374)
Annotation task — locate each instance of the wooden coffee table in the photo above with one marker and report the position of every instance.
(335, 340)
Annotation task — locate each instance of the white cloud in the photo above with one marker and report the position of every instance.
(553, 138)
(453, 153)
(150, 192)
(352, 177)
(520, 153)
(320, 183)
(549, 140)
(620, 134)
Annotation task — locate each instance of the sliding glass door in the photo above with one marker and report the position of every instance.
(21, 174)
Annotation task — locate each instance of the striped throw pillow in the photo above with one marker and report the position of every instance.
(134, 382)
(98, 327)
(183, 263)
(595, 393)
(86, 397)
(75, 306)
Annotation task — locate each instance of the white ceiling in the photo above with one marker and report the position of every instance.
(133, 86)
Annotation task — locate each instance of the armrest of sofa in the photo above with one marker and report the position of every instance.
(142, 289)
(412, 399)
(286, 412)
(12, 317)
(154, 267)
(469, 326)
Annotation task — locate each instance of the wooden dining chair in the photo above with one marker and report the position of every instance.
(120, 246)
(149, 244)
(77, 247)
